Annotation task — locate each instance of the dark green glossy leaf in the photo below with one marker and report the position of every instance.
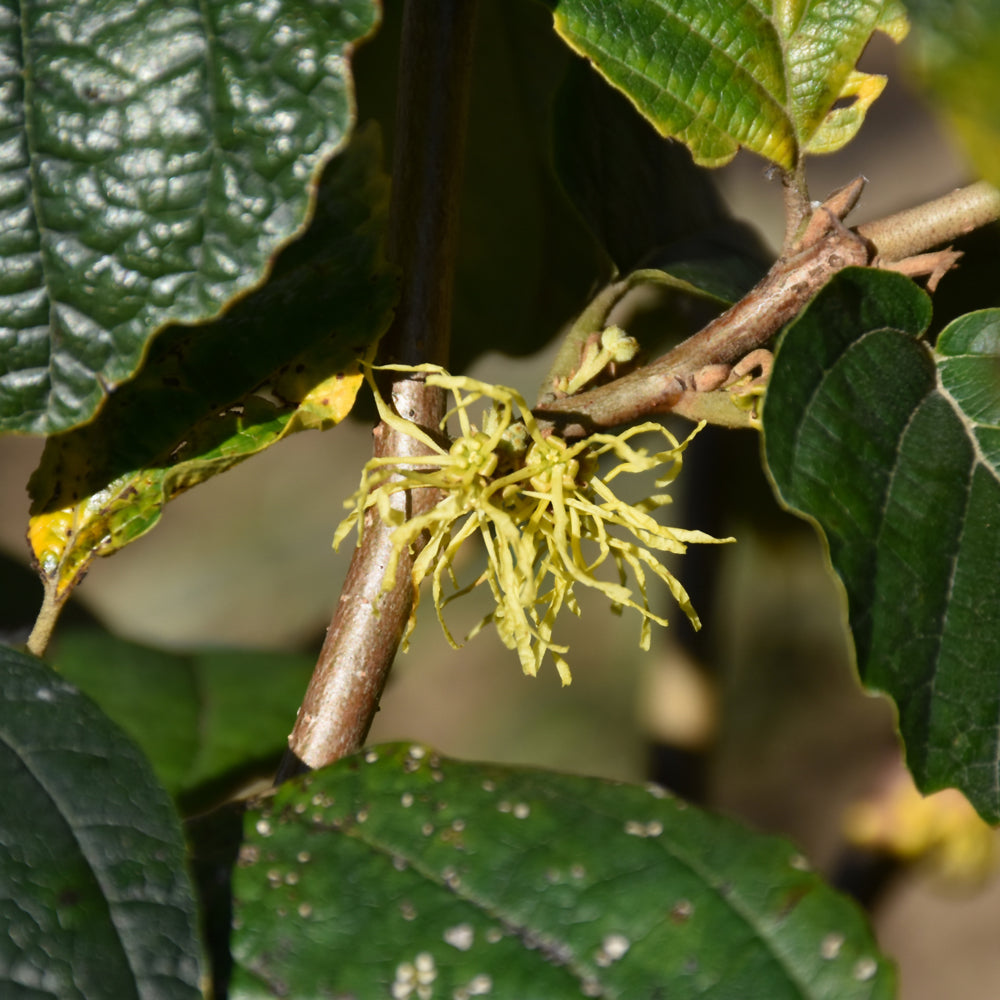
(94, 899)
(398, 869)
(892, 449)
(200, 717)
(720, 74)
(209, 397)
(155, 157)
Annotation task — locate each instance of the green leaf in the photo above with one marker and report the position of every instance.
(955, 56)
(155, 158)
(401, 868)
(205, 718)
(94, 898)
(720, 74)
(209, 397)
(892, 449)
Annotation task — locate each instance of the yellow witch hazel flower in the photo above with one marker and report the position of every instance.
(543, 508)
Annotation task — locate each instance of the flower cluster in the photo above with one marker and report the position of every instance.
(543, 508)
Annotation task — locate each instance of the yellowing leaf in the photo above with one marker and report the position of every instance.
(721, 74)
(942, 829)
(327, 403)
(66, 537)
(281, 360)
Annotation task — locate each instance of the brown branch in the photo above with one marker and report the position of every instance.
(935, 222)
(778, 298)
(751, 322)
(368, 624)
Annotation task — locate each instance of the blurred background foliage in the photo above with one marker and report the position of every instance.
(759, 715)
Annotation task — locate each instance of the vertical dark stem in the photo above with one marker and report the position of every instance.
(368, 624)
(432, 110)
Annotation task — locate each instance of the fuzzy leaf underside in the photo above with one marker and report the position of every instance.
(721, 74)
(154, 158)
(401, 869)
(893, 449)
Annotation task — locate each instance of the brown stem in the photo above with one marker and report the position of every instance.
(593, 318)
(48, 615)
(796, 199)
(367, 625)
(933, 223)
(779, 297)
(750, 323)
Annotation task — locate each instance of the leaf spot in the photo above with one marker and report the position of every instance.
(461, 936)
(865, 969)
(406, 800)
(613, 947)
(478, 986)
(522, 810)
(426, 968)
(636, 828)
(682, 911)
(263, 828)
(415, 978)
(249, 855)
(830, 946)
